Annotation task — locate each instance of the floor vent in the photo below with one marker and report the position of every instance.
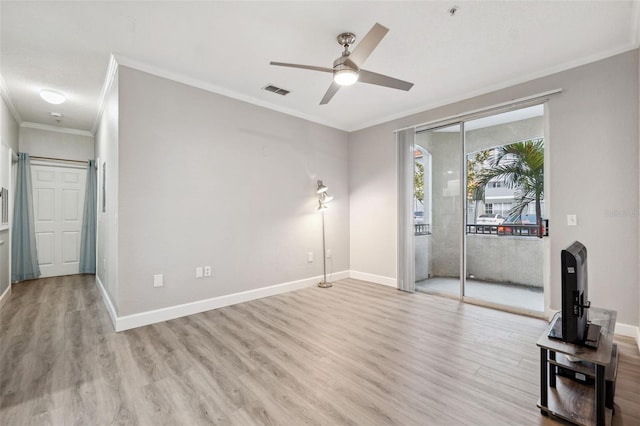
(275, 89)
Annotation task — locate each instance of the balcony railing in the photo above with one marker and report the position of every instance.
(421, 229)
(511, 229)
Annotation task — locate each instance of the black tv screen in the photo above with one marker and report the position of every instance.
(574, 293)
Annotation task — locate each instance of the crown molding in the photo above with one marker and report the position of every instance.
(116, 60)
(193, 82)
(4, 92)
(49, 128)
(112, 72)
(635, 23)
(502, 85)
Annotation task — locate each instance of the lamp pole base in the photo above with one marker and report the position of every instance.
(324, 284)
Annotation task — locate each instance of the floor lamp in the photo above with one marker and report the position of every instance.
(323, 200)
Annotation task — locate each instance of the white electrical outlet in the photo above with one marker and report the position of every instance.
(199, 272)
(310, 257)
(207, 271)
(158, 280)
(329, 254)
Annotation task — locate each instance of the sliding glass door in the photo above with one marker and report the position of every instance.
(478, 209)
(437, 211)
(504, 156)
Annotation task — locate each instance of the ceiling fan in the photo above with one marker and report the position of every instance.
(346, 69)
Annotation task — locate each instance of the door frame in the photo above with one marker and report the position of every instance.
(62, 164)
(405, 236)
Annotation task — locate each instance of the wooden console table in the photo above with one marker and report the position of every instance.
(569, 400)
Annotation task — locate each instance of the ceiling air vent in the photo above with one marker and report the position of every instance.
(275, 89)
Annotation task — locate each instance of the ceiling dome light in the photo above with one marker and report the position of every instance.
(345, 77)
(52, 97)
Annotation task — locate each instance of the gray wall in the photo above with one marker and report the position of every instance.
(208, 180)
(45, 143)
(106, 152)
(593, 156)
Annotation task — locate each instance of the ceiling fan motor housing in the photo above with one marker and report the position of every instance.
(343, 63)
(346, 69)
(346, 39)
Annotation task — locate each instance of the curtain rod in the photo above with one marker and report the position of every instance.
(476, 113)
(35, 157)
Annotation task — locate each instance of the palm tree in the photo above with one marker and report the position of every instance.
(475, 162)
(521, 167)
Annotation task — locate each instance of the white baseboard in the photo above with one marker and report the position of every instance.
(107, 303)
(5, 296)
(164, 314)
(171, 312)
(378, 279)
(626, 330)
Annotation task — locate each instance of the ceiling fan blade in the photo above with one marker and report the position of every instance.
(365, 46)
(332, 90)
(304, 67)
(383, 80)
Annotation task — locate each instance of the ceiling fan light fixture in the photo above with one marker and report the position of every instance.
(53, 97)
(345, 77)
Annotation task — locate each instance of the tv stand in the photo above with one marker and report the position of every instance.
(593, 335)
(579, 403)
(592, 332)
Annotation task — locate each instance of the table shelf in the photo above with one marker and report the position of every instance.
(573, 402)
(589, 368)
(568, 399)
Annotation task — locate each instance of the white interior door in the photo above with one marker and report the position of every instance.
(58, 200)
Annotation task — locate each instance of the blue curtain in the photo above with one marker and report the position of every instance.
(24, 256)
(88, 235)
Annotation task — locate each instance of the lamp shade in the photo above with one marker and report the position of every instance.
(321, 187)
(322, 206)
(325, 197)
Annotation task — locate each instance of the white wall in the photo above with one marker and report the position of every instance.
(208, 180)
(8, 126)
(56, 144)
(9, 141)
(106, 150)
(593, 155)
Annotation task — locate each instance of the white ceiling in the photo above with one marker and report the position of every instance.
(226, 47)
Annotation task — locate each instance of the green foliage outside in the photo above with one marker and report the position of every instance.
(520, 166)
(418, 182)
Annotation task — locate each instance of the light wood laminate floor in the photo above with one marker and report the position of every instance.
(354, 354)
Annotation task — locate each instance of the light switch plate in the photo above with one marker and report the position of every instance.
(158, 280)
(572, 220)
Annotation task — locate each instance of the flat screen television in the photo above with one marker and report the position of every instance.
(575, 299)
(574, 326)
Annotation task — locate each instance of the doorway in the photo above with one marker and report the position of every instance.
(58, 202)
(479, 219)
